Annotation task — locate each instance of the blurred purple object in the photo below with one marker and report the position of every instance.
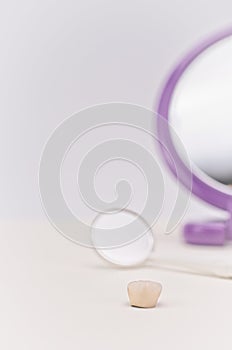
(208, 233)
(212, 233)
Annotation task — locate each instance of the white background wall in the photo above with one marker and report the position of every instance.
(60, 56)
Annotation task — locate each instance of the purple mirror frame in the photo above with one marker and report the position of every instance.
(201, 189)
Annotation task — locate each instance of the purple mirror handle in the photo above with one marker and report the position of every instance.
(205, 233)
(194, 232)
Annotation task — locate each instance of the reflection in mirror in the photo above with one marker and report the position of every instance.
(201, 111)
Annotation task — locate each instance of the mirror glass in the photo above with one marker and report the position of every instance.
(201, 111)
(133, 253)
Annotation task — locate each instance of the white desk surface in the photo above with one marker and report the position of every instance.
(57, 295)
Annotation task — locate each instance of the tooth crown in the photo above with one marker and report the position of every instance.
(144, 294)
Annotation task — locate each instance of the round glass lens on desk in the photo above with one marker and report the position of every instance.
(130, 254)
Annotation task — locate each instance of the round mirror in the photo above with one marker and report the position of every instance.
(196, 101)
(130, 254)
(201, 110)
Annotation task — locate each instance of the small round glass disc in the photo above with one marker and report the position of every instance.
(129, 254)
